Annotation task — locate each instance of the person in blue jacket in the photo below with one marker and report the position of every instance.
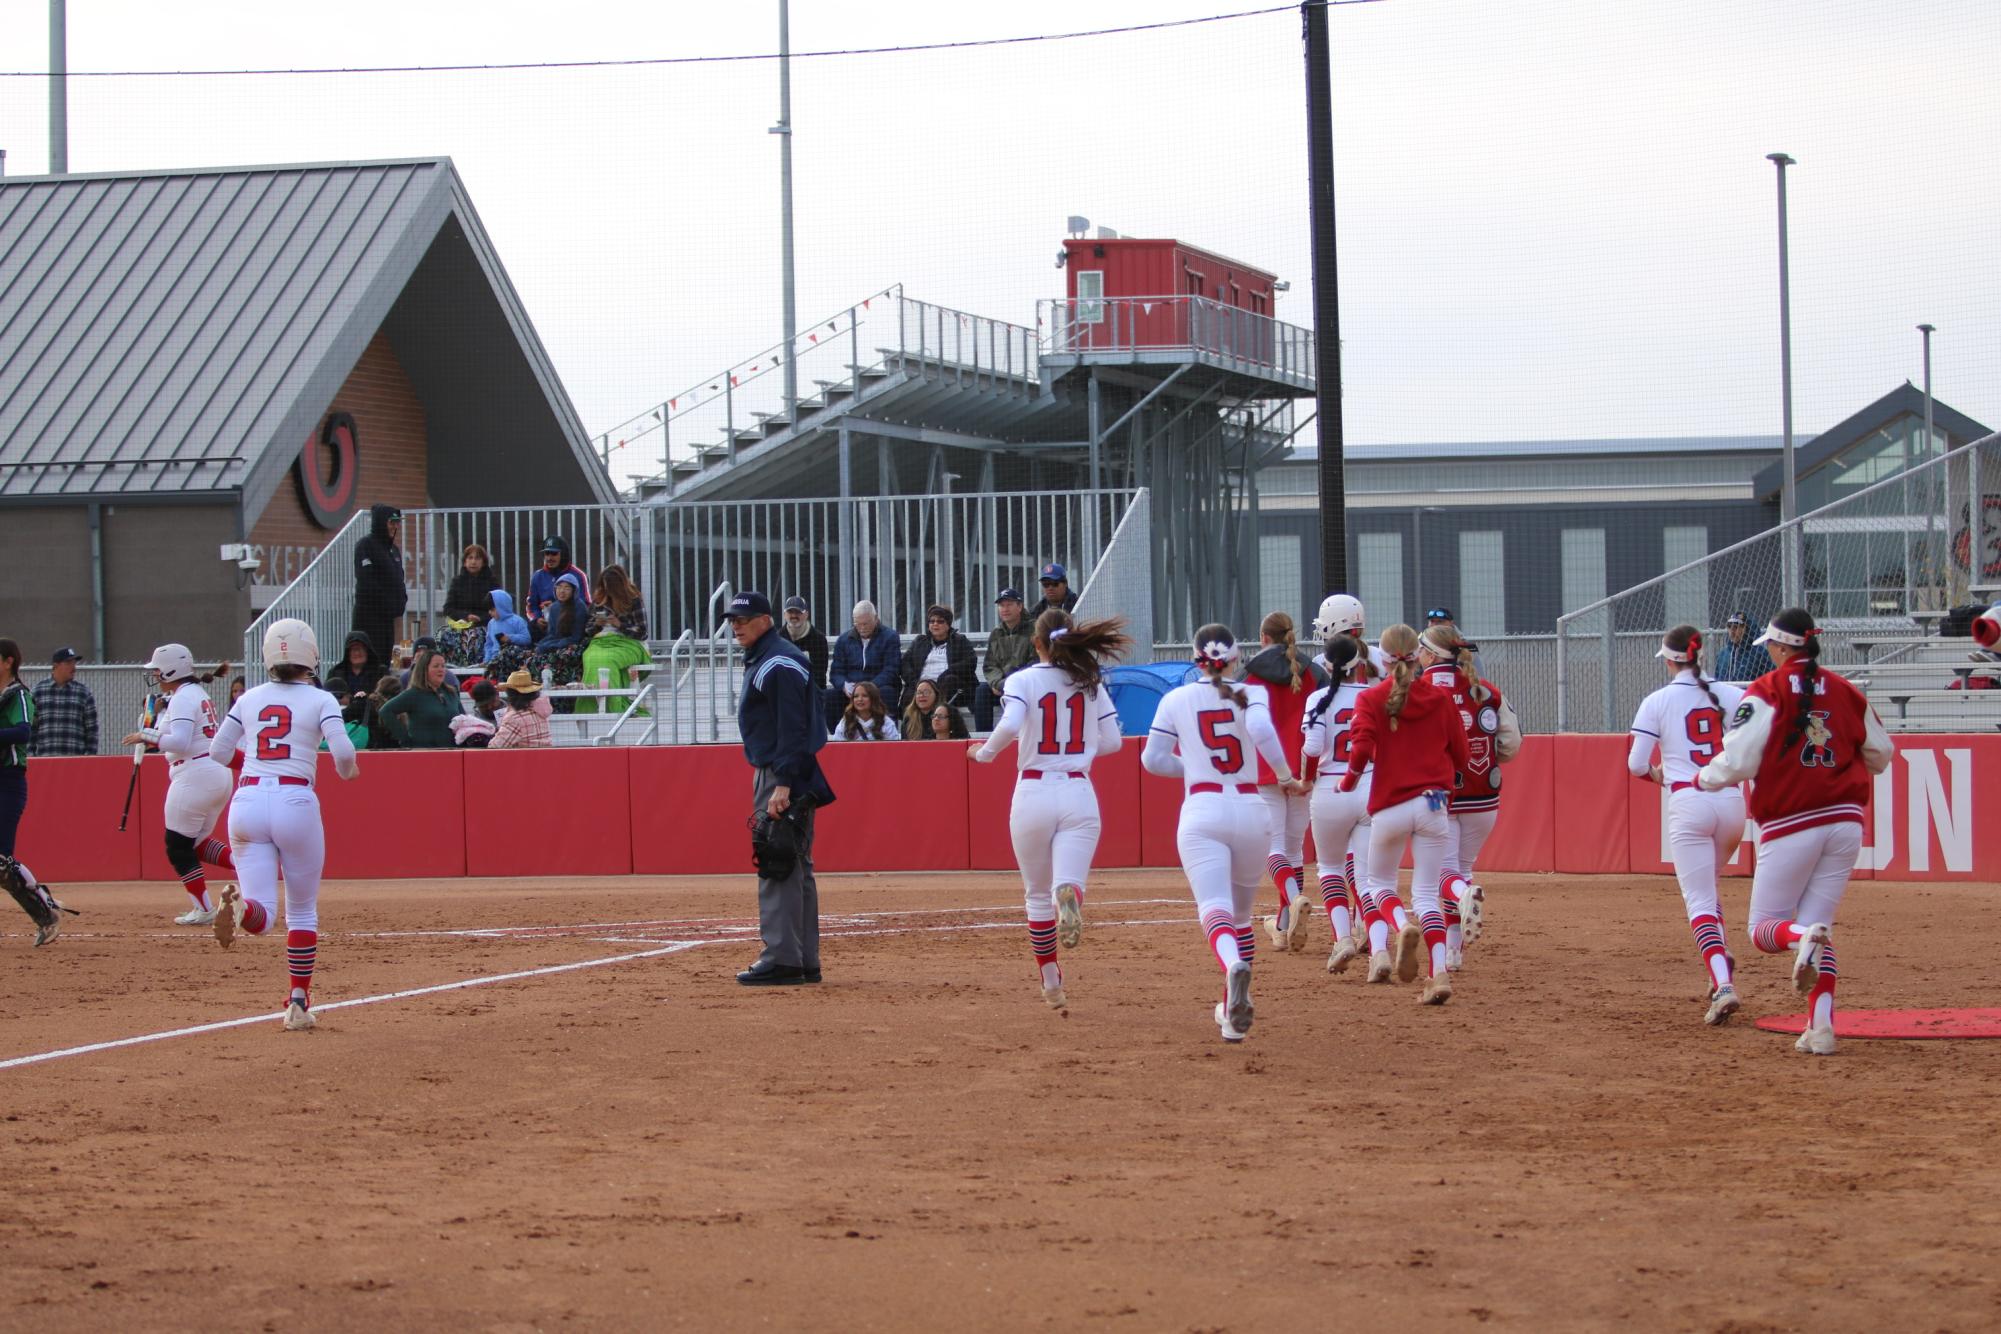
(870, 652)
(781, 739)
(504, 622)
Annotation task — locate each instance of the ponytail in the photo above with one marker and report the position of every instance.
(1215, 650)
(1400, 642)
(1340, 654)
(1278, 627)
(1446, 641)
(1079, 648)
(1695, 665)
(1809, 676)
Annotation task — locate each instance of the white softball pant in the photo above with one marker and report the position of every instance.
(1427, 831)
(276, 831)
(1285, 823)
(197, 795)
(1341, 827)
(1468, 833)
(1222, 838)
(1704, 829)
(1802, 876)
(1055, 826)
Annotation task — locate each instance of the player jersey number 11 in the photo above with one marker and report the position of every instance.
(1052, 720)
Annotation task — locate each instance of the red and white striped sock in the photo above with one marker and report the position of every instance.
(1820, 1001)
(1392, 911)
(1334, 896)
(196, 884)
(1221, 928)
(1708, 929)
(215, 852)
(254, 920)
(1775, 935)
(1247, 943)
(1284, 876)
(1433, 926)
(1042, 943)
(301, 952)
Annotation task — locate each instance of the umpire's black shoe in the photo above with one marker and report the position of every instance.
(763, 974)
(810, 975)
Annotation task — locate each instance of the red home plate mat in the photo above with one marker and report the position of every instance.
(1970, 1023)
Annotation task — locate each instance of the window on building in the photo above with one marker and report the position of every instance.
(1379, 577)
(1583, 563)
(1090, 296)
(1483, 593)
(1281, 578)
(1686, 595)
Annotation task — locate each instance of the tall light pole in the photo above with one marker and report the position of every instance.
(1326, 296)
(58, 88)
(783, 129)
(1931, 552)
(1789, 483)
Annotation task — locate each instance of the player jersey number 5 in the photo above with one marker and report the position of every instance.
(1226, 749)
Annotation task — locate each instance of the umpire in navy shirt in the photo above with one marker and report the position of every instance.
(781, 730)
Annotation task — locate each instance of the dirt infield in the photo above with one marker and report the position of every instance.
(920, 1143)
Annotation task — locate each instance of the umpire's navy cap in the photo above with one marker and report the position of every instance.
(746, 605)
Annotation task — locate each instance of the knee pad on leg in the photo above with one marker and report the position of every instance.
(181, 854)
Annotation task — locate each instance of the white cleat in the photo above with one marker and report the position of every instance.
(1723, 1003)
(1223, 1023)
(1473, 912)
(1237, 994)
(1344, 954)
(1069, 917)
(228, 908)
(45, 934)
(1455, 957)
(1380, 967)
(196, 917)
(1279, 927)
(1806, 967)
(1302, 917)
(298, 1018)
(1409, 945)
(1817, 1041)
(1054, 998)
(1437, 990)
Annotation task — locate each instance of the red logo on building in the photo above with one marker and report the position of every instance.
(331, 502)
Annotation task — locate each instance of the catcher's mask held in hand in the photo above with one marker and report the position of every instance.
(775, 842)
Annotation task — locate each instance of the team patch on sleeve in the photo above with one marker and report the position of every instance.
(1742, 716)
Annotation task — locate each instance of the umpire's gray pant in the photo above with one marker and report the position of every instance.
(788, 910)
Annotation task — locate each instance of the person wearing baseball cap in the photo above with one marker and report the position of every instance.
(1741, 658)
(380, 594)
(65, 710)
(778, 717)
(1010, 647)
(1055, 581)
(812, 641)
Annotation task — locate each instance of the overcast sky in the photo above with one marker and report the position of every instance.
(1556, 219)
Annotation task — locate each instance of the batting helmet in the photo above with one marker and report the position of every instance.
(290, 642)
(1987, 628)
(172, 662)
(1339, 614)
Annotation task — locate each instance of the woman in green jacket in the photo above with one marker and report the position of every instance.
(421, 717)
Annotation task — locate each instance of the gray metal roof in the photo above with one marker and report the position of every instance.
(1507, 449)
(182, 331)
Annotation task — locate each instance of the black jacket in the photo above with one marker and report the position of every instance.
(960, 665)
(1069, 603)
(777, 717)
(814, 645)
(344, 681)
(379, 592)
(1269, 667)
(469, 592)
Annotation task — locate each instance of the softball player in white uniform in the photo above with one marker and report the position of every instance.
(1340, 819)
(1205, 733)
(274, 818)
(197, 787)
(1685, 720)
(1059, 719)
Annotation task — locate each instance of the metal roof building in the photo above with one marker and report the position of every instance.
(175, 347)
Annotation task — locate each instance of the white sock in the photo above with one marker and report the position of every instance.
(1823, 1010)
(1338, 915)
(1052, 976)
(1455, 937)
(1379, 935)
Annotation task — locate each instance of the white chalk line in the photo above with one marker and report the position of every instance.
(666, 948)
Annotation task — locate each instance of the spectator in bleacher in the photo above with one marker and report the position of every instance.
(948, 724)
(865, 718)
(65, 710)
(556, 563)
(421, 717)
(379, 592)
(474, 731)
(916, 724)
(469, 602)
(869, 652)
(807, 637)
(356, 674)
(525, 724)
(380, 735)
(1010, 647)
(503, 627)
(1055, 592)
(616, 635)
(940, 652)
(559, 649)
(1740, 658)
(237, 685)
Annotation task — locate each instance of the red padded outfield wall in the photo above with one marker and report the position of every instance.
(1566, 805)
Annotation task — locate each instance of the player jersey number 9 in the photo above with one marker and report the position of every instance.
(1225, 750)
(1705, 733)
(277, 720)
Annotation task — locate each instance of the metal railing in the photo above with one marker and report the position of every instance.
(1219, 334)
(322, 596)
(971, 350)
(1890, 557)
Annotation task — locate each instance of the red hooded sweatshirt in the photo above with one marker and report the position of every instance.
(1426, 752)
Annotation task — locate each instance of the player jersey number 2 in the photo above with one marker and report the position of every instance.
(1226, 752)
(1341, 722)
(1051, 721)
(1705, 733)
(277, 725)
